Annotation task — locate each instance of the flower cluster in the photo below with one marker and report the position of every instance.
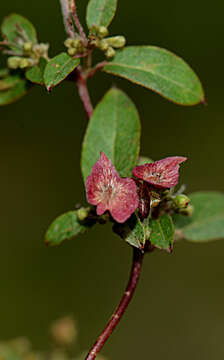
(122, 196)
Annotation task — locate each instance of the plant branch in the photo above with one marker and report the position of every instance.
(73, 9)
(99, 66)
(83, 92)
(128, 294)
(66, 18)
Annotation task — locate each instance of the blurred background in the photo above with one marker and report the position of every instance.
(178, 308)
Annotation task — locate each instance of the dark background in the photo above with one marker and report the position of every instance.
(178, 309)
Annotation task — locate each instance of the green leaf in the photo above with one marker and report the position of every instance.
(207, 221)
(114, 129)
(162, 232)
(16, 27)
(35, 74)
(65, 227)
(142, 160)
(12, 88)
(58, 69)
(159, 70)
(135, 232)
(100, 12)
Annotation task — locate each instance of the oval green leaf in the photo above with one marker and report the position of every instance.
(65, 227)
(159, 70)
(162, 233)
(35, 74)
(16, 27)
(12, 88)
(100, 12)
(58, 69)
(207, 221)
(114, 129)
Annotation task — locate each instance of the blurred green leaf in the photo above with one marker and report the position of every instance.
(16, 27)
(58, 69)
(12, 88)
(133, 231)
(114, 129)
(142, 160)
(100, 12)
(207, 221)
(4, 73)
(35, 74)
(65, 227)
(162, 232)
(159, 70)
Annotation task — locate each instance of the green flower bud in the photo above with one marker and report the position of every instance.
(116, 41)
(188, 211)
(68, 42)
(102, 31)
(82, 213)
(27, 47)
(181, 201)
(14, 62)
(102, 45)
(77, 44)
(110, 53)
(41, 49)
(24, 63)
(72, 51)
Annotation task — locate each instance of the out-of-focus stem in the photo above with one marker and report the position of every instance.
(66, 18)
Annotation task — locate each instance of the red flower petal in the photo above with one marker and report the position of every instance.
(161, 174)
(108, 191)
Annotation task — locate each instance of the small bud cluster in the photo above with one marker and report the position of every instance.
(108, 45)
(74, 46)
(30, 57)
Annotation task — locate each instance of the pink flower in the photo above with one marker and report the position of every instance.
(161, 174)
(108, 191)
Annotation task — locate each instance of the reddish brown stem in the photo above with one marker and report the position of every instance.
(116, 317)
(83, 92)
(77, 22)
(98, 67)
(66, 17)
